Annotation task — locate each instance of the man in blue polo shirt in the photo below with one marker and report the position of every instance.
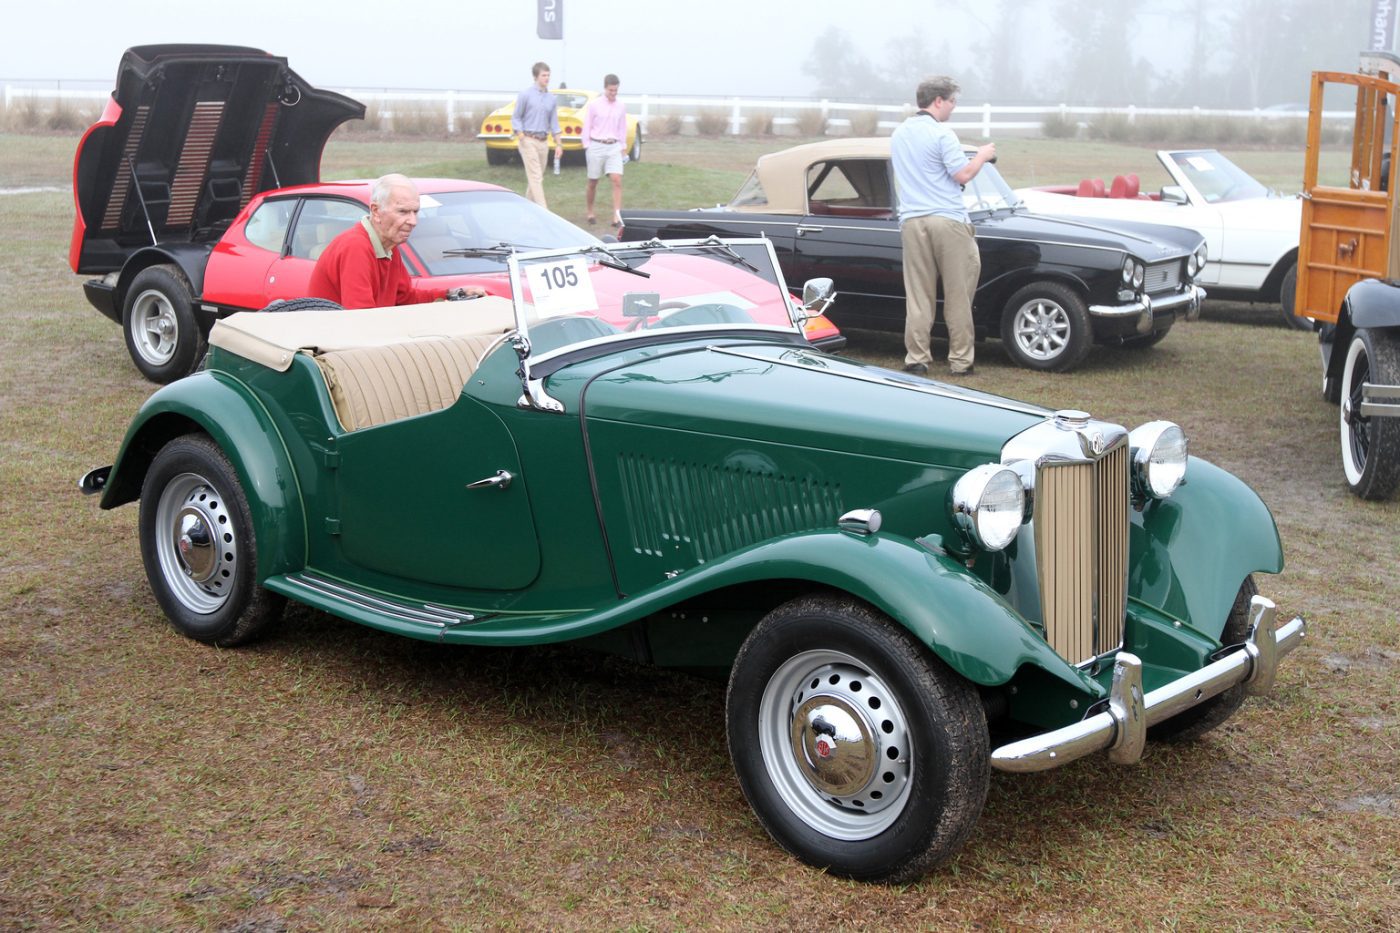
(937, 237)
(534, 120)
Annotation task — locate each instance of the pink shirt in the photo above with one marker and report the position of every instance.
(605, 119)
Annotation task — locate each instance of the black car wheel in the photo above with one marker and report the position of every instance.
(162, 336)
(1288, 296)
(859, 751)
(1200, 719)
(1370, 445)
(1046, 326)
(198, 546)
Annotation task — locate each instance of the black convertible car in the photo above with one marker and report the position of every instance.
(1050, 287)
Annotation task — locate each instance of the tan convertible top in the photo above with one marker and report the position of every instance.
(783, 175)
(274, 338)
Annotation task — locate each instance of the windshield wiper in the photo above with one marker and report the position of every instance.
(715, 242)
(605, 258)
(501, 251)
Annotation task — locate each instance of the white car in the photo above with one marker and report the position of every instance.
(1251, 230)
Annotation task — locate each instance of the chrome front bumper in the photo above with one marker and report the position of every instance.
(1190, 300)
(1121, 730)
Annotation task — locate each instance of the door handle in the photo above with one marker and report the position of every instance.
(501, 480)
(803, 228)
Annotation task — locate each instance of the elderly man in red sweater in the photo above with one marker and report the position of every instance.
(361, 268)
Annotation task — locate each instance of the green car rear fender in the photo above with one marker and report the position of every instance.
(223, 409)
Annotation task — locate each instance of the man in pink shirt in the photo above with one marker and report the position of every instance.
(604, 136)
(362, 268)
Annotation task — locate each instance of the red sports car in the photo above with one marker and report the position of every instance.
(198, 194)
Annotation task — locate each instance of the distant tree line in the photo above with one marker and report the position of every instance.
(1152, 53)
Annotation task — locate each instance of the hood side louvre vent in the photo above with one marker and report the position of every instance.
(689, 513)
(193, 167)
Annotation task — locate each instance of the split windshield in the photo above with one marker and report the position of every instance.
(566, 298)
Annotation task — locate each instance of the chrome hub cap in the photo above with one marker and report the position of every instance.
(836, 744)
(196, 543)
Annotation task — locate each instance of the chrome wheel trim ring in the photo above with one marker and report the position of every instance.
(154, 329)
(864, 783)
(196, 544)
(1041, 329)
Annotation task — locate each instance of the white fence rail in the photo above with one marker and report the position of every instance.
(460, 109)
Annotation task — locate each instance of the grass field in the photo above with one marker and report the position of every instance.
(335, 777)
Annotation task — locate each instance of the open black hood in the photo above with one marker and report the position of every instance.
(191, 133)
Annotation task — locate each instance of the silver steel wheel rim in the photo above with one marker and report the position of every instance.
(154, 328)
(196, 543)
(1356, 439)
(836, 744)
(1041, 328)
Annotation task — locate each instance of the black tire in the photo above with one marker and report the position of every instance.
(1287, 298)
(206, 584)
(497, 156)
(1147, 340)
(304, 304)
(1200, 719)
(162, 335)
(907, 738)
(1046, 326)
(1370, 445)
(635, 153)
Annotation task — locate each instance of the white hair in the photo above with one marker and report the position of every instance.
(385, 184)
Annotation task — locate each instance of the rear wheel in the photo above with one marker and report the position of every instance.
(497, 156)
(1370, 444)
(1046, 326)
(1287, 298)
(162, 336)
(198, 545)
(859, 751)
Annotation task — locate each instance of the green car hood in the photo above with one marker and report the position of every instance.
(805, 401)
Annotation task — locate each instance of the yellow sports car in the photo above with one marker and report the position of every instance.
(500, 141)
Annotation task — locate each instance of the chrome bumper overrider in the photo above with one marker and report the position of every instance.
(1121, 730)
(1192, 299)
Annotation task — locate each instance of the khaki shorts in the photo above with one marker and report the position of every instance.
(604, 159)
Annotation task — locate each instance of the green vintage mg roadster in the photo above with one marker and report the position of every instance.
(906, 583)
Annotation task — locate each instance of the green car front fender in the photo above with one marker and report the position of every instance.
(948, 608)
(222, 408)
(1192, 551)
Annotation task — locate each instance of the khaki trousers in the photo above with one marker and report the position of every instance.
(535, 154)
(939, 247)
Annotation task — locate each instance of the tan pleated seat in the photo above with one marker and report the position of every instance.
(374, 385)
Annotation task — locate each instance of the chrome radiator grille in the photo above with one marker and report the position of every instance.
(1162, 276)
(1081, 538)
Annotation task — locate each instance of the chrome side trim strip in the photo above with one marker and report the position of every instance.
(426, 615)
(1119, 731)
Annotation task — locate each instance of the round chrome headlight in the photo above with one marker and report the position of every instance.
(1200, 257)
(1128, 266)
(1138, 275)
(989, 505)
(1159, 458)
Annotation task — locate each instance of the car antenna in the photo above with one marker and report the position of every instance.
(131, 166)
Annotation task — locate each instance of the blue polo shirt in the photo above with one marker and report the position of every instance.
(536, 111)
(926, 155)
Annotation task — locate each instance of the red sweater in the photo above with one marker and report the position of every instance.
(350, 274)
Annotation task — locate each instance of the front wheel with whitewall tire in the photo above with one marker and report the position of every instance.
(1370, 443)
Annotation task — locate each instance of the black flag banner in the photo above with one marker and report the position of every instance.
(550, 23)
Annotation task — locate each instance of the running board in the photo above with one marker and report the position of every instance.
(417, 620)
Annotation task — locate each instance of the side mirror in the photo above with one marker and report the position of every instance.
(1174, 194)
(817, 296)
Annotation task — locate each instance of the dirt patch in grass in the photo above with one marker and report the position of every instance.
(336, 777)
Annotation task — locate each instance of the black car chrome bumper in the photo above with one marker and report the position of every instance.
(1121, 730)
(1186, 304)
